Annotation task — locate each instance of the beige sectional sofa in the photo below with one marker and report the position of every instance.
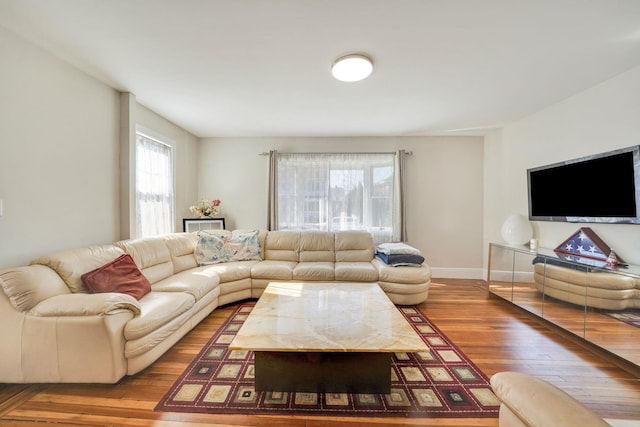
(54, 330)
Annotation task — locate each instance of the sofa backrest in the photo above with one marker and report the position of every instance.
(354, 246)
(162, 256)
(151, 255)
(282, 246)
(73, 263)
(317, 246)
(181, 247)
(308, 246)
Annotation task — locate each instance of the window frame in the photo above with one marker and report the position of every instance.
(161, 139)
(326, 216)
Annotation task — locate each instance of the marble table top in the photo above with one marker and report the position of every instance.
(326, 317)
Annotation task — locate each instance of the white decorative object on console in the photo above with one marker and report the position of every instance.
(517, 230)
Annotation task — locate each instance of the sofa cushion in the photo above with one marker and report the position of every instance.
(26, 286)
(73, 263)
(273, 270)
(195, 282)
(156, 310)
(120, 275)
(155, 342)
(314, 271)
(360, 271)
(213, 248)
(152, 256)
(230, 271)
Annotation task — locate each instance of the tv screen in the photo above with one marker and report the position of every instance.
(600, 188)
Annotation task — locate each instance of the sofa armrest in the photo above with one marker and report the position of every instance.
(405, 275)
(85, 305)
(537, 403)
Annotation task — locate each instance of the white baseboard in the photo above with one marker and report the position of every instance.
(480, 274)
(457, 273)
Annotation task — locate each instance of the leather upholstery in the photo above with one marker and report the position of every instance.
(314, 271)
(54, 331)
(27, 286)
(73, 263)
(181, 247)
(152, 257)
(316, 246)
(532, 402)
(196, 283)
(354, 246)
(282, 246)
(271, 269)
(355, 271)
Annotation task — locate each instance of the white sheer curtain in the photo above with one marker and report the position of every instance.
(154, 187)
(337, 191)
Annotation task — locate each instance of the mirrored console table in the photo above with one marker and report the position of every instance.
(592, 302)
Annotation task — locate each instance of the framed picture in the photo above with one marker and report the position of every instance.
(195, 224)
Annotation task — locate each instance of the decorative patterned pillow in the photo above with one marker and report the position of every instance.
(213, 248)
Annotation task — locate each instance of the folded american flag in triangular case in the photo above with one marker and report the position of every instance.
(584, 243)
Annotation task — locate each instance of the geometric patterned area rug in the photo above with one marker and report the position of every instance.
(441, 383)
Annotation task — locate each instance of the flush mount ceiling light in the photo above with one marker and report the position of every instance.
(352, 68)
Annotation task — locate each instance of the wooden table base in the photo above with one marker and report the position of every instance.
(323, 372)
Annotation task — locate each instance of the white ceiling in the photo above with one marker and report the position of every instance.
(261, 67)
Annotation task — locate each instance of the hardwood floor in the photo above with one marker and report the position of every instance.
(494, 334)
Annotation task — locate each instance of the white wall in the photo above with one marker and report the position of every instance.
(58, 155)
(444, 194)
(600, 119)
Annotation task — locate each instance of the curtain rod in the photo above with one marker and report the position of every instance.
(408, 153)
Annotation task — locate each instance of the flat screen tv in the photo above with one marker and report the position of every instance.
(600, 188)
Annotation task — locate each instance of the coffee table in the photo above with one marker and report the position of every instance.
(325, 337)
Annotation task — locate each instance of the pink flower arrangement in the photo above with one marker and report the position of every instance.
(206, 208)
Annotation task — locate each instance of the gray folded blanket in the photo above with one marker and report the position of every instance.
(399, 254)
(397, 260)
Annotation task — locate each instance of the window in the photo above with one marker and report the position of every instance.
(335, 192)
(154, 187)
